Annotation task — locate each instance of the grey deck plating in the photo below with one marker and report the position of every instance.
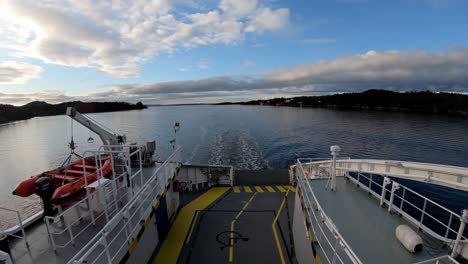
(210, 239)
(368, 229)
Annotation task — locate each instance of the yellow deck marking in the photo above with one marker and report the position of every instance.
(231, 239)
(318, 260)
(193, 226)
(172, 245)
(247, 189)
(292, 188)
(280, 188)
(273, 226)
(236, 189)
(270, 189)
(147, 221)
(258, 189)
(133, 246)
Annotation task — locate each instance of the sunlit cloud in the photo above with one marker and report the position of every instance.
(393, 70)
(116, 37)
(13, 72)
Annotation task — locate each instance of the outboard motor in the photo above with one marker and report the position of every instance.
(43, 188)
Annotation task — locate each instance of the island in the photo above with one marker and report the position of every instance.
(378, 100)
(10, 113)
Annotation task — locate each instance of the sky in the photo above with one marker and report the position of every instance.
(207, 51)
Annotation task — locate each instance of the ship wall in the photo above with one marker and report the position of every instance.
(155, 228)
(302, 242)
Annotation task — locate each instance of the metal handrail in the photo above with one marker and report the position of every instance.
(426, 200)
(454, 176)
(141, 204)
(20, 224)
(438, 260)
(323, 223)
(109, 209)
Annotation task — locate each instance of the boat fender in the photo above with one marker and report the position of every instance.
(410, 239)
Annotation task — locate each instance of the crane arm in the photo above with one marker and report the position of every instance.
(107, 137)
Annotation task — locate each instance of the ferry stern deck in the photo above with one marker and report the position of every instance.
(367, 228)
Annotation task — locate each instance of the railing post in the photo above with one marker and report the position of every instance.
(335, 150)
(22, 229)
(402, 199)
(463, 221)
(423, 213)
(449, 225)
(385, 182)
(106, 247)
(395, 187)
(51, 238)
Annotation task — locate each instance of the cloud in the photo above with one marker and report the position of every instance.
(401, 70)
(394, 70)
(116, 37)
(12, 72)
(24, 98)
(268, 19)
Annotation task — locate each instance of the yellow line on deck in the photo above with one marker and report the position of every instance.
(236, 189)
(270, 189)
(280, 188)
(258, 189)
(247, 189)
(273, 226)
(191, 228)
(292, 188)
(231, 239)
(174, 242)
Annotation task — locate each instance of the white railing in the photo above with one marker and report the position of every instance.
(111, 243)
(14, 231)
(399, 193)
(440, 260)
(451, 176)
(97, 208)
(332, 245)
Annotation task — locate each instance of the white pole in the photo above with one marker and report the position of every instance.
(386, 181)
(335, 149)
(463, 221)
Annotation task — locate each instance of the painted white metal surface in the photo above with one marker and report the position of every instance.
(112, 242)
(450, 176)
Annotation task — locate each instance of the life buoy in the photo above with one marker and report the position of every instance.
(176, 186)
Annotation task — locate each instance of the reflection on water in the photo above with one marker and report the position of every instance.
(249, 137)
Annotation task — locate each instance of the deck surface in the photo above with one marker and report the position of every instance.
(174, 241)
(368, 228)
(245, 214)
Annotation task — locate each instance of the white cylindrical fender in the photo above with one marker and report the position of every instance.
(410, 239)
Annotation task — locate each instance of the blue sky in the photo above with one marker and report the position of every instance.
(187, 51)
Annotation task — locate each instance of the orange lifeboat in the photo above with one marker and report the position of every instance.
(68, 182)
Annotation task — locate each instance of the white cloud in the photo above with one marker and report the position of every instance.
(267, 19)
(394, 70)
(238, 7)
(12, 72)
(410, 68)
(117, 36)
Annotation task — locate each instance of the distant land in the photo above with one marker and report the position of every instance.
(378, 100)
(10, 113)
